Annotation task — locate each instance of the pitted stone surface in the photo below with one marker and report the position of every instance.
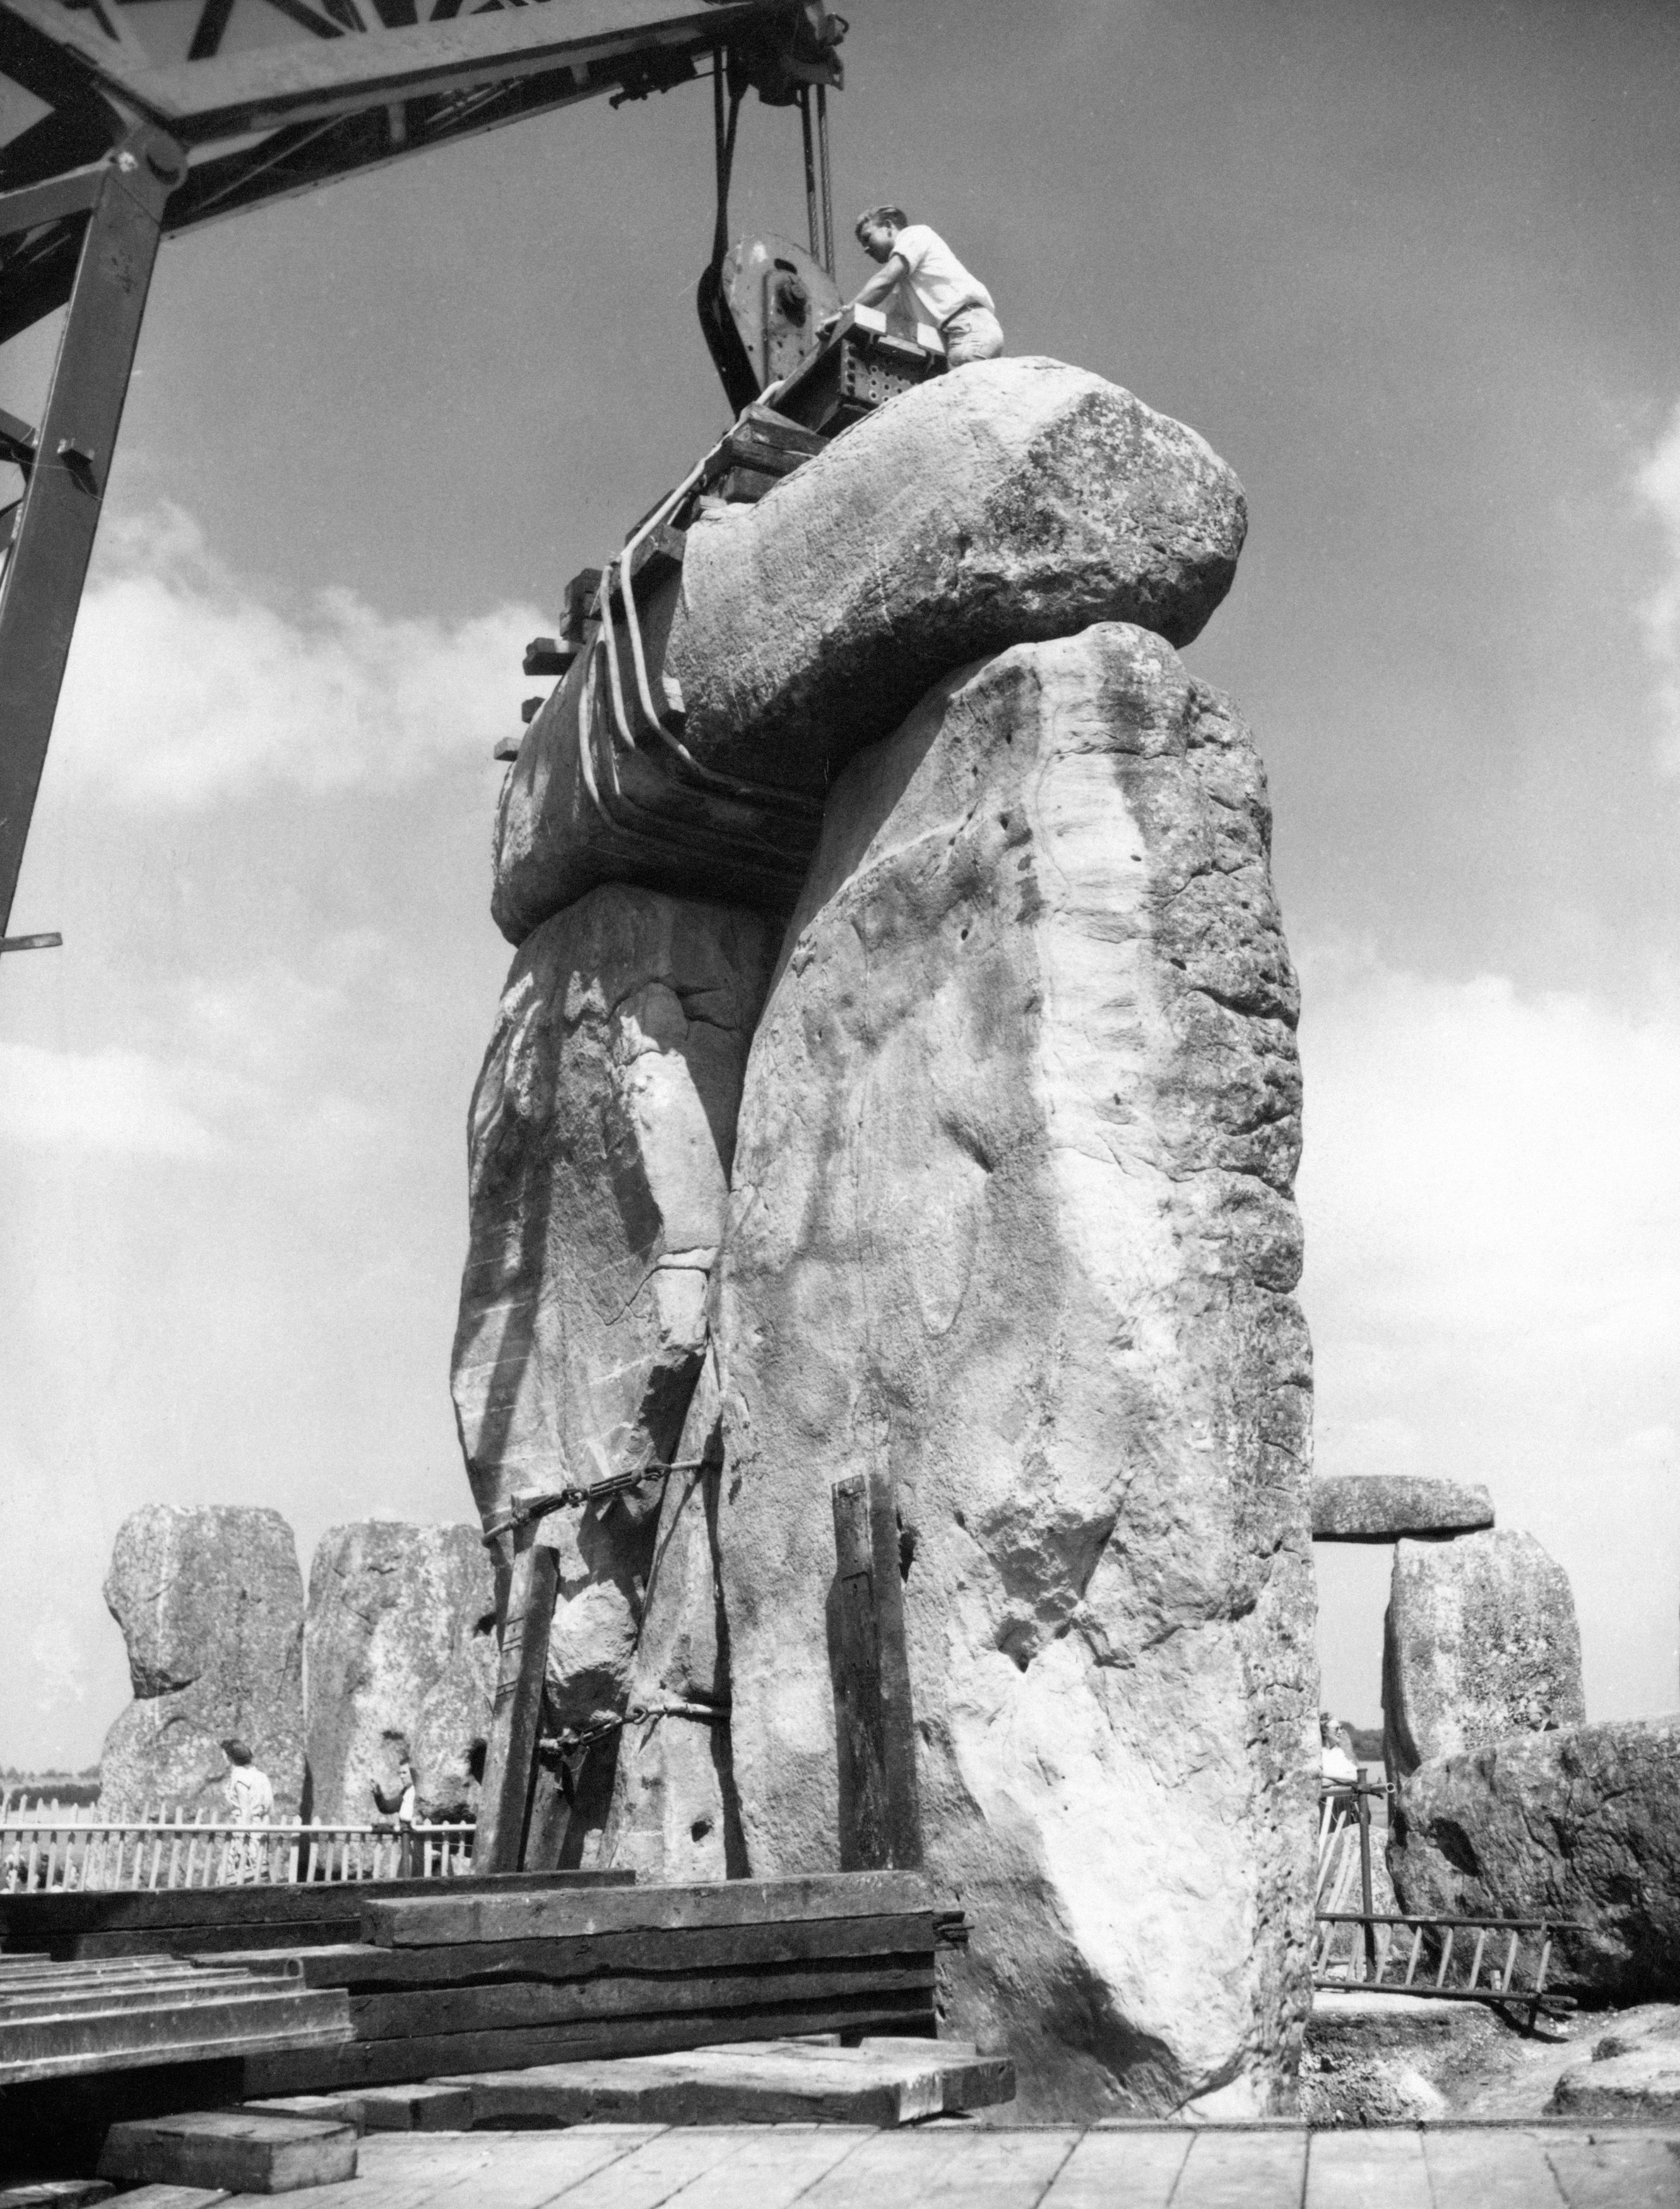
(211, 1604)
(393, 1607)
(1480, 1641)
(1012, 1218)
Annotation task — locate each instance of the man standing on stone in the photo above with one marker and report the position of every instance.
(940, 289)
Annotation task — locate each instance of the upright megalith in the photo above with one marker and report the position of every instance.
(1012, 1219)
(602, 1132)
(211, 1604)
(1020, 500)
(1480, 1641)
(399, 1630)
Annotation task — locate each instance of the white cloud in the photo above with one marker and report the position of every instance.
(186, 683)
(1658, 485)
(1491, 1192)
(113, 1101)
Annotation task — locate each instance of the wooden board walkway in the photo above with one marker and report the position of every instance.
(972, 2167)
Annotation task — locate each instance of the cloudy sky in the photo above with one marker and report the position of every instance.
(1414, 272)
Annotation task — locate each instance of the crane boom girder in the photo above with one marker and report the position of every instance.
(339, 68)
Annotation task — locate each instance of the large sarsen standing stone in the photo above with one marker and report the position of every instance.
(211, 1604)
(1012, 1219)
(1480, 1641)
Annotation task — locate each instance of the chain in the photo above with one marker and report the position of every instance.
(523, 1509)
(569, 1742)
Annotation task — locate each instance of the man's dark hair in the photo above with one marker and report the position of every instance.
(236, 1752)
(895, 215)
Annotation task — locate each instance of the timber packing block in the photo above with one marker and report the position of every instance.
(449, 1984)
(238, 2151)
(881, 2082)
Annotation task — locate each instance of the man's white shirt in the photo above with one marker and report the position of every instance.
(939, 284)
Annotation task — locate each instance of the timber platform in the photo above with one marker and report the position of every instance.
(983, 2167)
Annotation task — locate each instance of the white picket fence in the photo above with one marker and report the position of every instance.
(49, 1844)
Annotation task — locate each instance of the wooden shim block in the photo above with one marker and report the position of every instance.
(504, 1796)
(442, 1919)
(676, 1951)
(24, 1917)
(428, 2105)
(522, 2005)
(378, 2063)
(240, 2151)
(333, 2108)
(880, 1798)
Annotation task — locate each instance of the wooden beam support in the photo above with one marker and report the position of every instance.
(504, 1798)
(880, 1799)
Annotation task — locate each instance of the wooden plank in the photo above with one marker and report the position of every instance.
(522, 2005)
(1506, 2170)
(776, 2082)
(173, 2197)
(504, 1798)
(1351, 2169)
(339, 2108)
(980, 2169)
(56, 2193)
(765, 2167)
(880, 1799)
(70, 2046)
(660, 2170)
(675, 1950)
(1139, 2168)
(381, 2063)
(1611, 2172)
(23, 1916)
(1238, 2170)
(490, 1917)
(238, 2151)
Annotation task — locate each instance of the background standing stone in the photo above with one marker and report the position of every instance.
(1480, 1641)
(1583, 1823)
(393, 1607)
(1012, 1219)
(211, 1604)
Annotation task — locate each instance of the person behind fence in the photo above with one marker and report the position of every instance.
(399, 1801)
(251, 1794)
